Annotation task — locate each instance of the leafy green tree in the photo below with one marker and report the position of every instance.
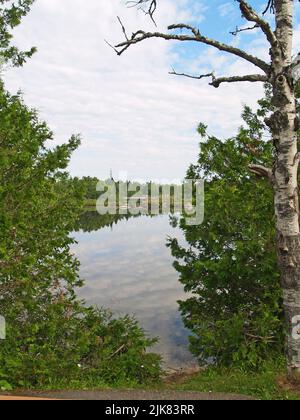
(11, 14)
(235, 306)
(90, 185)
(52, 337)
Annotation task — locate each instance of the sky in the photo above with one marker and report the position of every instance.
(133, 117)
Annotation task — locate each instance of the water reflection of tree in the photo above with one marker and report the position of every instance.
(91, 221)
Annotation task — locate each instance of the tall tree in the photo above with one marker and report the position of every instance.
(282, 73)
(11, 14)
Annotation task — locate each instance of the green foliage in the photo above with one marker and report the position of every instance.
(119, 351)
(11, 14)
(51, 336)
(87, 347)
(89, 185)
(235, 306)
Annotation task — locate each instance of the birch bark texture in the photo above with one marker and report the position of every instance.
(284, 128)
(283, 74)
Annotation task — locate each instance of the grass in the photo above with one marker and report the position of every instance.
(264, 385)
(268, 384)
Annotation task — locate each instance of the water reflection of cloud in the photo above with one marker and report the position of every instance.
(130, 270)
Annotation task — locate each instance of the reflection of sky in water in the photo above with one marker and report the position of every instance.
(129, 269)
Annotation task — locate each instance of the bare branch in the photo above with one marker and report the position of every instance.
(270, 6)
(111, 46)
(151, 9)
(216, 82)
(202, 76)
(249, 13)
(247, 78)
(196, 36)
(123, 29)
(262, 171)
(238, 30)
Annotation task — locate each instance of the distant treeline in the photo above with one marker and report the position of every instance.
(93, 187)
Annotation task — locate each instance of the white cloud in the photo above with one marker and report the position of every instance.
(132, 115)
(227, 9)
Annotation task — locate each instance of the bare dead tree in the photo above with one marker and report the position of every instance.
(283, 74)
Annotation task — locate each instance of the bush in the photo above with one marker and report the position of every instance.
(51, 336)
(91, 348)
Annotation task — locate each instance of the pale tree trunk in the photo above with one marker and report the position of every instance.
(284, 126)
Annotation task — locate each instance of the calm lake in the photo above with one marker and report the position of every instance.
(127, 267)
